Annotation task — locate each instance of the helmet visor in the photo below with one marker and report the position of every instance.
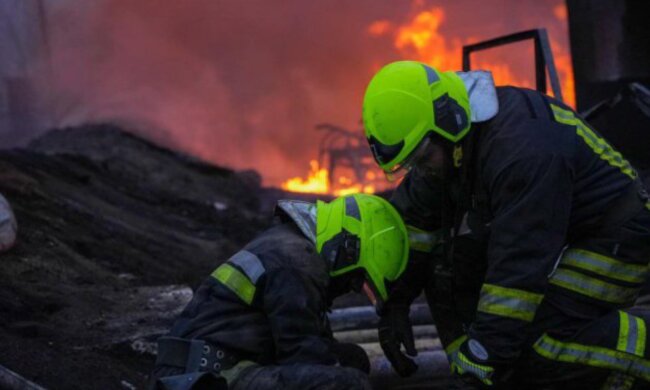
(422, 153)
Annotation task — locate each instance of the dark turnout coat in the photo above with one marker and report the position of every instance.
(544, 212)
(267, 305)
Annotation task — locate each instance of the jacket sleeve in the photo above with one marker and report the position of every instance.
(418, 200)
(530, 194)
(294, 306)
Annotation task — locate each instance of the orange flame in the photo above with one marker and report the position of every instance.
(317, 182)
(420, 39)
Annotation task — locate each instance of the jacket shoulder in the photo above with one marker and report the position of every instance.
(285, 246)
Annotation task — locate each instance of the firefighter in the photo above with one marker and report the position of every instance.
(532, 230)
(259, 321)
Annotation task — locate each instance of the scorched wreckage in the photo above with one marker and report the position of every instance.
(485, 225)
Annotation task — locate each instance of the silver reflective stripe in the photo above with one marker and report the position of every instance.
(249, 264)
(592, 356)
(606, 266)
(632, 336)
(593, 287)
(509, 302)
(507, 306)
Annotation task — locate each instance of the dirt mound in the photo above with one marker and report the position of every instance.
(102, 215)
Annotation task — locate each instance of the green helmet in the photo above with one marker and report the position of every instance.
(364, 232)
(405, 103)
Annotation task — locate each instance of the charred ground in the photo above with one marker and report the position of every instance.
(106, 218)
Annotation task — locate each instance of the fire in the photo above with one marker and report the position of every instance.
(420, 39)
(317, 182)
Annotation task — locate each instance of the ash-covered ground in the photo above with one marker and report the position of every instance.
(113, 234)
(108, 224)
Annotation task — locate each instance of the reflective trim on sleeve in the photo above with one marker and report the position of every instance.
(462, 364)
(235, 281)
(605, 266)
(631, 334)
(592, 356)
(597, 144)
(453, 347)
(509, 302)
(249, 264)
(592, 287)
(422, 240)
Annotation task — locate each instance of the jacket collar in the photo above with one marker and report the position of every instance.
(483, 101)
(303, 215)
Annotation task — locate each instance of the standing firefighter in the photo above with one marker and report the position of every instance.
(538, 229)
(259, 322)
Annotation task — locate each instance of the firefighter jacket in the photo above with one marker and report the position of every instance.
(268, 302)
(530, 186)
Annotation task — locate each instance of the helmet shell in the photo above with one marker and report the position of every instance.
(382, 235)
(407, 101)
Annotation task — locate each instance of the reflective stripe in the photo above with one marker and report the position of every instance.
(631, 334)
(422, 240)
(453, 347)
(236, 282)
(249, 263)
(597, 144)
(463, 364)
(606, 266)
(592, 287)
(509, 302)
(592, 356)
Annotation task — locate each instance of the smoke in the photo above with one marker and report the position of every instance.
(243, 82)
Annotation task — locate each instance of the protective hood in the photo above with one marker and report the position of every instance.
(483, 101)
(303, 214)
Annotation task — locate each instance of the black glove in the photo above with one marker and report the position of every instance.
(351, 355)
(395, 330)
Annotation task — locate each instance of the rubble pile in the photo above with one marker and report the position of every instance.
(111, 229)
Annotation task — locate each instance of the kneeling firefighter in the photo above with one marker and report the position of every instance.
(530, 232)
(259, 321)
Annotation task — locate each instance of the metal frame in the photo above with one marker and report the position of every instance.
(543, 56)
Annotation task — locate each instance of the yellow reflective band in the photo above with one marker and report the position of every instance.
(623, 329)
(453, 347)
(594, 288)
(509, 302)
(462, 365)
(597, 144)
(593, 356)
(631, 334)
(236, 282)
(422, 240)
(639, 350)
(605, 266)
